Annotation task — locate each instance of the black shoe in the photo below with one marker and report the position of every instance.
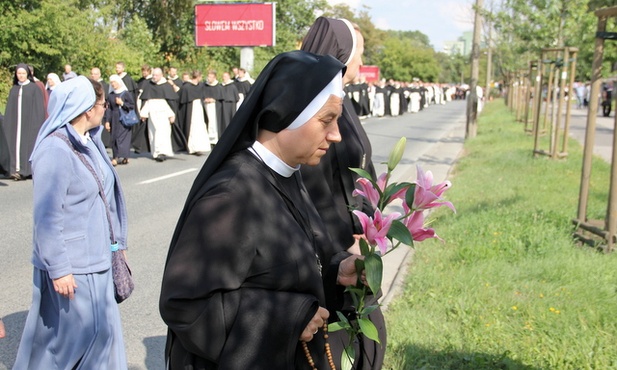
(161, 158)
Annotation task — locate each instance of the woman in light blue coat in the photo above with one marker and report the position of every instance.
(74, 321)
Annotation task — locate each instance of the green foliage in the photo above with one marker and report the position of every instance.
(509, 289)
(524, 28)
(135, 46)
(402, 60)
(454, 68)
(169, 21)
(85, 33)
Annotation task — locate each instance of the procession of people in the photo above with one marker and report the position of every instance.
(278, 144)
(175, 127)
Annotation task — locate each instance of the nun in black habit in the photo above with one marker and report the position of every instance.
(243, 283)
(24, 116)
(331, 184)
(192, 115)
(156, 93)
(229, 99)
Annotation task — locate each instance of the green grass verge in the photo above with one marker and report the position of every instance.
(509, 289)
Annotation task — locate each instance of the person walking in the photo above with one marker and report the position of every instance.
(192, 116)
(159, 109)
(119, 99)
(24, 115)
(331, 183)
(79, 217)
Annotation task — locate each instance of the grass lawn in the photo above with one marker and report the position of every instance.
(509, 289)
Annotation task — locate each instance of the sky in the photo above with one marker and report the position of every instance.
(440, 20)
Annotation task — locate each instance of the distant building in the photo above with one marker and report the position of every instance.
(461, 46)
(453, 47)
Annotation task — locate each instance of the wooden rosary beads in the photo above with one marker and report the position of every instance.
(307, 353)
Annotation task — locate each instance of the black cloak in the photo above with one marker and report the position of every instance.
(364, 100)
(131, 85)
(139, 132)
(215, 92)
(188, 94)
(243, 87)
(403, 100)
(153, 90)
(242, 278)
(229, 101)
(32, 118)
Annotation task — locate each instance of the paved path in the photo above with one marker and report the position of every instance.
(603, 146)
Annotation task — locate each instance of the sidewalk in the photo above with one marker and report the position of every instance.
(439, 160)
(603, 143)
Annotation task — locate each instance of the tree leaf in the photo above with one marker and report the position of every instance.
(410, 195)
(364, 248)
(393, 189)
(399, 232)
(335, 326)
(369, 309)
(374, 272)
(344, 321)
(368, 329)
(347, 358)
(363, 173)
(360, 266)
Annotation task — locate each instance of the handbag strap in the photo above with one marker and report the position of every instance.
(114, 244)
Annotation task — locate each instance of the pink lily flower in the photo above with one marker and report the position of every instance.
(367, 191)
(415, 225)
(428, 195)
(376, 229)
(381, 181)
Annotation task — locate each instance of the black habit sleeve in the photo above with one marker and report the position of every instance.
(241, 283)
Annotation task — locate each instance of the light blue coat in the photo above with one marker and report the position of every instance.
(71, 231)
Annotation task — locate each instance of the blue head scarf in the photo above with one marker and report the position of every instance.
(70, 99)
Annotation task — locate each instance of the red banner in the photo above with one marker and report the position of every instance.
(236, 24)
(370, 73)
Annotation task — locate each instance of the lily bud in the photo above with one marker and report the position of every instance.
(396, 154)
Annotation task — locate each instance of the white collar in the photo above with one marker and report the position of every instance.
(23, 83)
(85, 138)
(271, 160)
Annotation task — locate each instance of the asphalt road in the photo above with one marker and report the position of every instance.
(155, 194)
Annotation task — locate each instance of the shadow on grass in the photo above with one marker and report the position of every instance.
(412, 357)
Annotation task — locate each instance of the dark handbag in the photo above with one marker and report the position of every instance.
(128, 118)
(120, 271)
(123, 278)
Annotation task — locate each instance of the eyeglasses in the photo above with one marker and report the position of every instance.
(105, 105)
